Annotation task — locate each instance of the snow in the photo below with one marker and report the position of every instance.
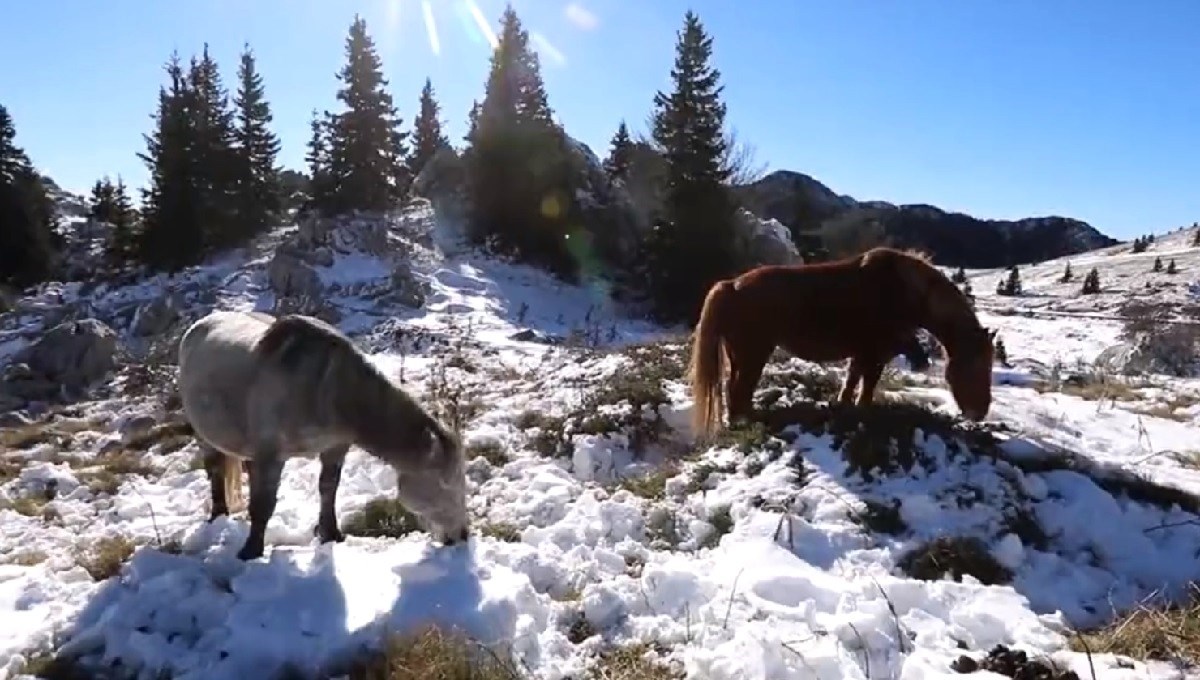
(797, 587)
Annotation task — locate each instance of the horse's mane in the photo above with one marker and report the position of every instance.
(296, 343)
(366, 400)
(944, 299)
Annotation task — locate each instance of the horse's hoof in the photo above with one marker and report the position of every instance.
(250, 552)
(333, 535)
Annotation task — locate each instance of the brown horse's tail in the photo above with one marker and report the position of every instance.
(232, 468)
(707, 361)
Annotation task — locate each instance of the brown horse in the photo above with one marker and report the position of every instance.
(865, 308)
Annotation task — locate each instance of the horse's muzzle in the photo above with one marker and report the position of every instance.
(454, 538)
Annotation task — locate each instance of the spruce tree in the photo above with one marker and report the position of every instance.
(102, 202)
(1011, 284)
(518, 169)
(121, 242)
(693, 244)
(172, 234)
(27, 214)
(1091, 283)
(214, 155)
(1196, 236)
(1171, 267)
(959, 276)
(259, 191)
(427, 136)
(367, 148)
(1067, 275)
(320, 183)
(620, 154)
(1157, 264)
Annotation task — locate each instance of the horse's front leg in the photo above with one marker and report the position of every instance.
(853, 375)
(267, 468)
(327, 485)
(870, 380)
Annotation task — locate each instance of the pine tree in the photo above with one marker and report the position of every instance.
(1091, 283)
(367, 148)
(427, 136)
(214, 156)
(1067, 274)
(959, 276)
(120, 247)
(27, 215)
(620, 154)
(693, 244)
(1171, 267)
(1158, 264)
(320, 193)
(102, 203)
(1010, 285)
(172, 234)
(259, 191)
(518, 169)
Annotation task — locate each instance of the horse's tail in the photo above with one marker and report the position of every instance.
(232, 468)
(707, 361)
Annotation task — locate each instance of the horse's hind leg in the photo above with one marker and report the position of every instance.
(746, 365)
(327, 485)
(217, 469)
(267, 469)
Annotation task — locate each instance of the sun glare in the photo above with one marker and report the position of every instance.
(478, 28)
(435, 45)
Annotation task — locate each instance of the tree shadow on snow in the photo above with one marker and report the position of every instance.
(168, 614)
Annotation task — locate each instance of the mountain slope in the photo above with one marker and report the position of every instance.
(600, 526)
(955, 239)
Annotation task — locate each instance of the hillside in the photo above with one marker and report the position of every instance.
(955, 239)
(607, 543)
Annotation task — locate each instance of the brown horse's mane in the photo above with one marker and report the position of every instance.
(949, 313)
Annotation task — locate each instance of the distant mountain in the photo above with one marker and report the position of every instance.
(807, 206)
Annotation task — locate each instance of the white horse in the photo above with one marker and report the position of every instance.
(260, 389)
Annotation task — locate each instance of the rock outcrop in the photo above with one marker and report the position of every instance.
(67, 360)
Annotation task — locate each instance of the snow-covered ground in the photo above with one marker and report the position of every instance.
(753, 564)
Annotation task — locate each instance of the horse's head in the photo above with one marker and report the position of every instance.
(432, 483)
(969, 372)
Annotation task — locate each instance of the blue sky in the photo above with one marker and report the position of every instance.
(999, 108)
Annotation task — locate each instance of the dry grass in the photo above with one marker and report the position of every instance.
(30, 506)
(56, 430)
(25, 558)
(104, 559)
(1160, 633)
(169, 437)
(48, 666)
(651, 485)
(632, 662)
(1170, 407)
(382, 517)
(434, 654)
(490, 450)
(1188, 459)
(955, 556)
(501, 531)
